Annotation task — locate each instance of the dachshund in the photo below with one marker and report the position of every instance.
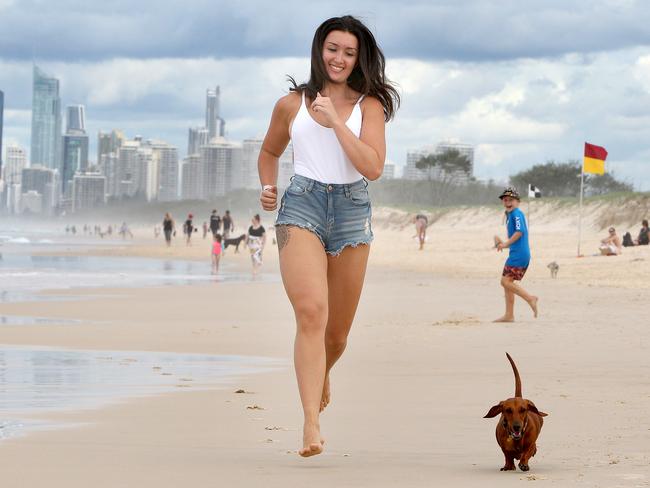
(518, 427)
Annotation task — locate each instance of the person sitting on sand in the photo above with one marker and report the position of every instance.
(519, 256)
(421, 223)
(644, 235)
(611, 245)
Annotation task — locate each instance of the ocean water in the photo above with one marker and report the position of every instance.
(40, 380)
(26, 268)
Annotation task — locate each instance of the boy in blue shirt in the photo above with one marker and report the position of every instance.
(519, 257)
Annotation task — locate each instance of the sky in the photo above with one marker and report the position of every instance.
(524, 81)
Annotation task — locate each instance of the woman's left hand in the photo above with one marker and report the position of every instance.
(323, 105)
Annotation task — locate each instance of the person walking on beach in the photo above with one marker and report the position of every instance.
(421, 223)
(519, 257)
(124, 230)
(256, 240)
(216, 252)
(228, 224)
(336, 122)
(189, 228)
(168, 228)
(215, 222)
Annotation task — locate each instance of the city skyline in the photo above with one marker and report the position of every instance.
(536, 91)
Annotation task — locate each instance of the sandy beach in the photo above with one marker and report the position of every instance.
(423, 365)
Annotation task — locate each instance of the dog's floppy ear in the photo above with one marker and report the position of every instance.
(533, 408)
(494, 411)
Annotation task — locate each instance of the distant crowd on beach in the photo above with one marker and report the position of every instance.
(222, 230)
(122, 230)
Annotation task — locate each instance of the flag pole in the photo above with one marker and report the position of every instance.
(582, 184)
(528, 206)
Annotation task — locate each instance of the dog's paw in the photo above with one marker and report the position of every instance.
(508, 468)
(523, 467)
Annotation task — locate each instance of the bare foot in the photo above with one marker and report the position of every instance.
(533, 304)
(504, 319)
(311, 441)
(325, 399)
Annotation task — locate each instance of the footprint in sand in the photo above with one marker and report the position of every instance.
(459, 319)
(254, 407)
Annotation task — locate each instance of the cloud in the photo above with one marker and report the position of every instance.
(516, 112)
(463, 30)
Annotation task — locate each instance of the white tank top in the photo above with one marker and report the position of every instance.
(317, 153)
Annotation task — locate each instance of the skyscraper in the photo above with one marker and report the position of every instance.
(41, 181)
(129, 172)
(192, 178)
(221, 161)
(75, 159)
(213, 122)
(88, 191)
(166, 157)
(2, 109)
(75, 147)
(212, 112)
(76, 119)
(46, 121)
(198, 136)
(108, 143)
(14, 164)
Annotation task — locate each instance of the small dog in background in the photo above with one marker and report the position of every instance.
(554, 267)
(234, 242)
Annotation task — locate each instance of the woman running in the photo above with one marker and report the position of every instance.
(336, 123)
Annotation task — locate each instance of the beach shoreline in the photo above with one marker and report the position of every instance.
(423, 365)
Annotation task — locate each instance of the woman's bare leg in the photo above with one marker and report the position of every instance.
(345, 275)
(303, 264)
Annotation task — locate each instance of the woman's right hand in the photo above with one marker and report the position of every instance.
(269, 197)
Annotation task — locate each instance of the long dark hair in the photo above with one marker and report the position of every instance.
(368, 77)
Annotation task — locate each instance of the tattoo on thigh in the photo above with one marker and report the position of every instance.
(282, 233)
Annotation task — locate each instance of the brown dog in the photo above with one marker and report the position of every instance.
(518, 427)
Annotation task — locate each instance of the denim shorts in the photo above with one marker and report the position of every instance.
(339, 215)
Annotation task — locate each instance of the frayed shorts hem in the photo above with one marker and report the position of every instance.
(364, 242)
(311, 229)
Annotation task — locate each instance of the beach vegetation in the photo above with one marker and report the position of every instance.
(562, 179)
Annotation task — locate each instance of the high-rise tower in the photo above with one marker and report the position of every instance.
(213, 121)
(75, 147)
(76, 119)
(46, 121)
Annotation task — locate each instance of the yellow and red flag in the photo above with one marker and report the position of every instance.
(594, 159)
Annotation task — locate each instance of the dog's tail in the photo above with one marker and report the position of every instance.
(517, 378)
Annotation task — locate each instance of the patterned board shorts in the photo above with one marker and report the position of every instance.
(516, 272)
